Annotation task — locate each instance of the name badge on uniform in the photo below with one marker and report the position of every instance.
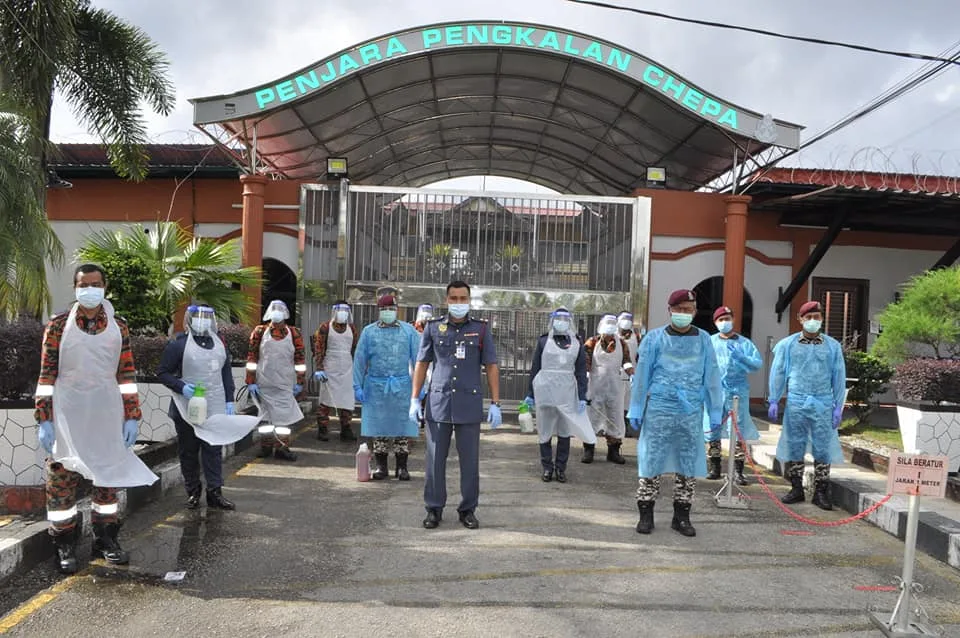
(461, 352)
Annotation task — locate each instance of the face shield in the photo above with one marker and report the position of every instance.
(607, 325)
(341, 313)
(424, 312)
(200, 321)
(277, 312)
(625, 321)
(561, 322)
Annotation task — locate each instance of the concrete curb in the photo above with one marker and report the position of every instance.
(855, 489)
(25, 543)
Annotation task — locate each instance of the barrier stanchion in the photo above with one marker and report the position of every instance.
(725, 498)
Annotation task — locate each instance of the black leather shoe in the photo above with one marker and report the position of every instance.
(561, 476)
(432, 521)
(193, 499)
(547, 476)
(216, 500)
(469, 520)
(285, 454)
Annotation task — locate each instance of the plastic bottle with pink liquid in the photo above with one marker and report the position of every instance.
(363, 463)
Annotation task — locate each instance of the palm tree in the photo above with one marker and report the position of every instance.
(106, 69)
(191, 269)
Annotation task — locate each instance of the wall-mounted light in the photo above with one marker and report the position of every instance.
(336, 167)
(656, 177)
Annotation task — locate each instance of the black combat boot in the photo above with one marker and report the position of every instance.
(346, 433)
(681, 519)
(588, 449)
(402, 472)
(739, 478)
(821, 495)
(66, 556)
(382, 471)
(106, 546)
(216, 500)
(713, 470)
(613, 454)
(645, 524)
(193, 499)
(266, 451)
(323, 432)
(795, 495)
(285, 454)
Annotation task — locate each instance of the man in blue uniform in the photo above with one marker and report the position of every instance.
(809, 366)
(458, 346)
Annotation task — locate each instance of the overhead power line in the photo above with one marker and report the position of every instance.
(772, 34)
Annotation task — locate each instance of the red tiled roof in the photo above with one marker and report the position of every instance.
(863, 180)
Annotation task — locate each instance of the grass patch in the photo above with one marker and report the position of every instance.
(882, 436)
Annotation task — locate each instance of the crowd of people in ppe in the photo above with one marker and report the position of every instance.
(674, 386)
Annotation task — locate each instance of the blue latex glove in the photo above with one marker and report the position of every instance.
(581, 407)
(188, 390)
(320, 376)
(358, 393)
(416, 411)
(47, 435)
(635, 424)
(773, 412)
(423, 392)
(297, 389)
(130, 430)
(529, 402)
(230, 409)
(837, 416)
(253, 389)
(495, 418)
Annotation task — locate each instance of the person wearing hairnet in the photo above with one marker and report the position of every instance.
(88, 413)
(809, 366)
(334, 344)
(737, 358)
(558, 392)
(198, 356)
(631, 336)
(276, 370)
(608, 363)
(386, 354)
(677, 379)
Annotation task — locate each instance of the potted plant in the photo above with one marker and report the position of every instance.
(921, 336)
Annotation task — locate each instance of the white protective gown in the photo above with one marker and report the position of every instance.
(337, 392)
(204, 367)
(555, 394)
(88, 408)
(276, 378)
(606, 397)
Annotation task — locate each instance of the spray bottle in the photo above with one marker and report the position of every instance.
(197, 406)
(363, 463)
(526, 419)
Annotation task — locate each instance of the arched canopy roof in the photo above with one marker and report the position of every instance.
(551, 106)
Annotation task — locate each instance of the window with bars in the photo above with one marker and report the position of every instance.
(844, 308)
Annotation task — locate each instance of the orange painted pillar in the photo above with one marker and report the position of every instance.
(734, 255)
(251, 240)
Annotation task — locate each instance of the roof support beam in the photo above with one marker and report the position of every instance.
(949, 257)
(786, 296)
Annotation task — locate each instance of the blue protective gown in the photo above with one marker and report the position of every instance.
(737, 358)
(381, 366)
(677, 378)
(814, 376)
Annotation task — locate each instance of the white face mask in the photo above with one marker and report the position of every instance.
(341, 316)
(561, 325)
(200, 326)
(625, 324)
(276, 316)
(89, 297)
(725, 327)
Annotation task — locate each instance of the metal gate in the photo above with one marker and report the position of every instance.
(522, 254)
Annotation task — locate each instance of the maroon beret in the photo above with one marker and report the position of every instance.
(722, 310)
(810, 306)
(679, 296)
(386, 301)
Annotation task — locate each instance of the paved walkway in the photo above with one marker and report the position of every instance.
(311, 552)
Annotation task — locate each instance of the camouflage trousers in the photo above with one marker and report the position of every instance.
(821, 471)
(62, 487)
(395, 444)
(274, 436)
(714, 450)
(323, 416)
(683, 488)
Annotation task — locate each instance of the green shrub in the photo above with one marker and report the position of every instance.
(872, 375)
(131, 285)
(934, 380)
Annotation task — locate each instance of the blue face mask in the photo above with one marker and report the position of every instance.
(812, 326)
(388, 316)
(681, 319)
(725, 327)
(459, 310)
(561, 325)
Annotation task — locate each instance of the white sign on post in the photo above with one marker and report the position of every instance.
(918, 475)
